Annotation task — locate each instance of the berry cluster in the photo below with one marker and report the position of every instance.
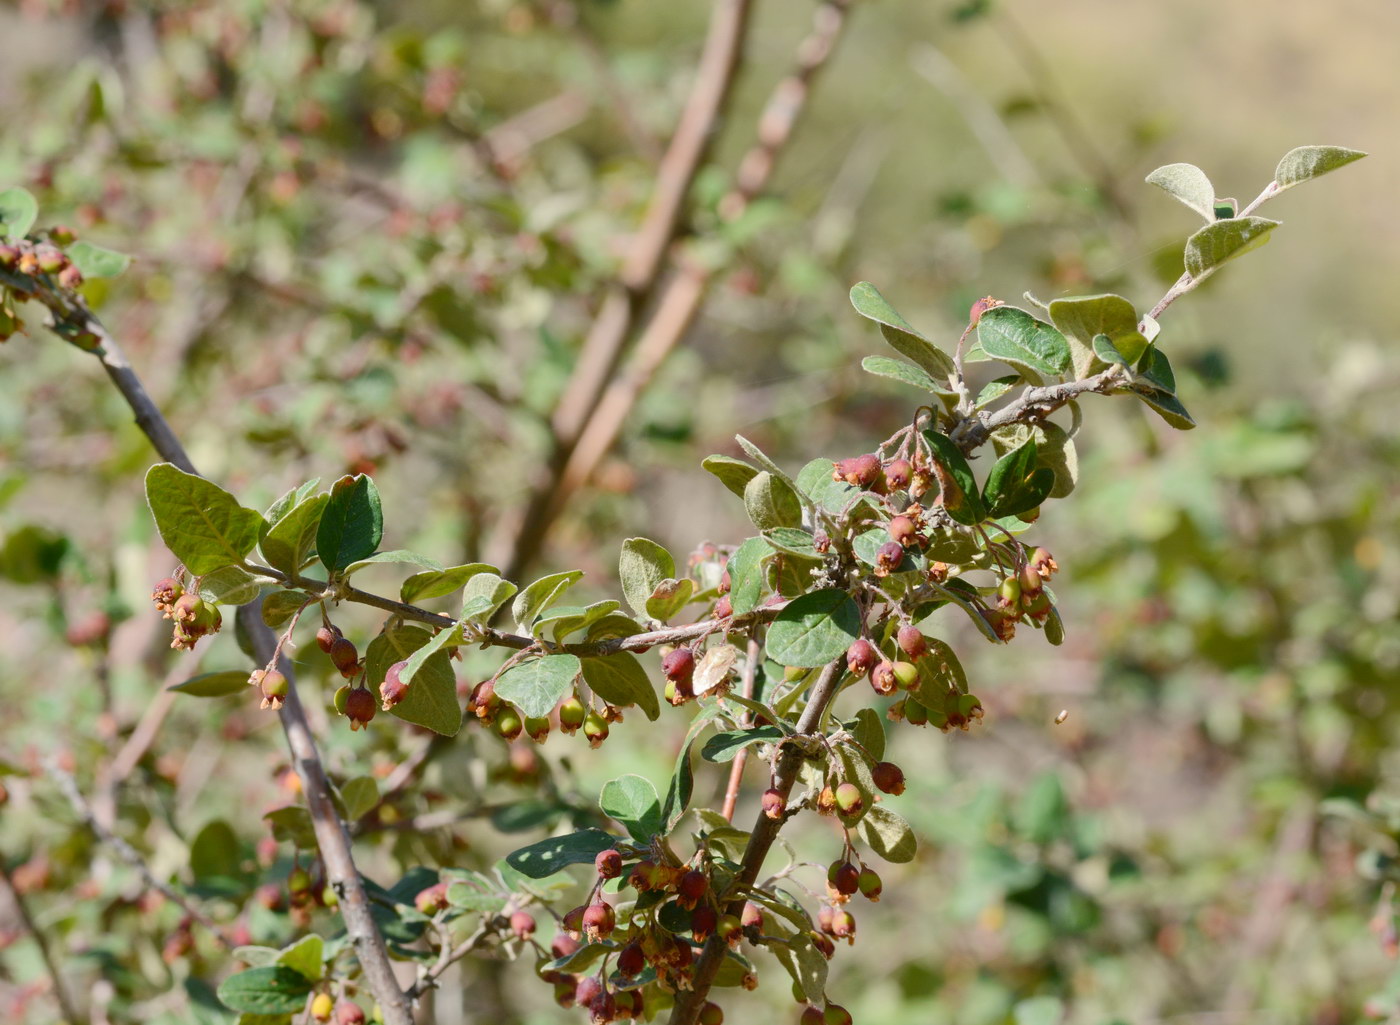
(194, 617)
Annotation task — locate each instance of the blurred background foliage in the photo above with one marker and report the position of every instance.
(369, 237)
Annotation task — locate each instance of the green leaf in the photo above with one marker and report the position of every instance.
(869, 732)
(792, 540)
(1301, 164)
(940, 671)
(292, 824)
(214, 851)
(279, 607)
(619, 679)
(483, 594)
(1015, 337)
(540, 595)
(1039, 1011)
(745, 568)
(642, 566)
(274, 989)
(761, 458)
(289, 501)
(1055, 627)
(292, 538)
(1170, 409)
(232, 585)
(399, 557)
(1222, 241)
(633, 801)
(439, 582)
(352, 523)
(1105, 350)
(815, 481)
(814, 629)
(468, 896)
(723, 747)
(1082, 318)
(201, 523)
(359, 796)
(535, 687)
(900, 335)
(214, 685)
(905, 373)
(97, 262)
(772, 503)
(806, 965)
(1016, 484)
(542, 859)
(305, 956)
(570, 621)
(734, 474)
(432, 696)
(888, 835)
(967, 507)
(18, 212)
(1155, 371)
(669, 598)
(1189, 184)
(994, 390)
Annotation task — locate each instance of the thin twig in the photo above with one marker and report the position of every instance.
(736, 771)
(69, 786)
(60, 992)
(490, 925)
(765, 832)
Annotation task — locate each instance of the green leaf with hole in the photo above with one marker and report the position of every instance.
(1031, 346)
(18, 212)
(352, 523)
(292, 539)
(97, 261)
(431, 701)
(1189, 184)
(966, 506)
(641, 567)
(633, 801)
(814, 629)
(734, 474)
(619, 679)
(201, 523)
(273, 989)
(544, 858)
(535, 687)
(1218, 243)
(899, 333)
(1308, 162)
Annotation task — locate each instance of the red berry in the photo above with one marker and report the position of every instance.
(889, 777)
(588, 990)
(347, 1012)
(903, 530)
(432, 899)
(631, 960)
(393, 690)
(898, 473)
(325, 637)
(843, 877)
(703, 922)
(359, 707)
(773, 803)
(980, 307)
(812, 1016)
(345, 656)
(882, 678)
(522, 923)
(679, 665)
(911, 641)
(836, 1015)
(861, 657)
(564, 945)
(843, 926)
(608, 864)
(888, 558)
(825, 944)
(599, 921)
(723, 608)
(752, 917)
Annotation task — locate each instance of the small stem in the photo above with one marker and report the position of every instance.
(60, 993)
(736, 771)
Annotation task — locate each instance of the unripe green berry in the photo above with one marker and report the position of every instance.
(595, 728)
(869, 883)
(906, 675)
(849, 799)
(509, 724)
(572, 715)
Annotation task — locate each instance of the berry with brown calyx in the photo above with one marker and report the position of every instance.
(889, 777)
(62, 235)
(898, 474)
(725, 583)
(888, 558)
(1037, 607)
(826, 801)
(9, 256)
(273, 685)
(849, 800)
(50, 260)
(980, 307)
(599, 921)
(537, 728)
(393, 689)
(691, 888)
(903, 531)
(564, 945)
(431, 899)
(322, 1006)
(359, 707)
(774, 804)
(345, 656)
(194, 618)
(1002, 625)
(915, 712)
(869, 883)
(484, 703)
(843, 877)
(608, 864)
(587, 990)
(812, 1015)
(1029, 580)
(572, 715)
(70, 277)
(347, 1012)
(595, 728)
(861, 657)
(703, 922)
(937, 572)
(1044, 563)
(679, 665)
(882, 678)
(325, 637)
(864, 472)
(825, 945)
(602, 1009)
(165, 594)
(752, 918)
(631, 960)
(509, 725)
(678, 692)
(564, 992)
(906, 675)
(298, 881)
(710, 1014)
(730, 929)
(724, 608)
(843, 926)
(911, 641)
(522, 924)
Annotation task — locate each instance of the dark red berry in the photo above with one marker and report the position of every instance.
(599, 921)
(564, 945)
(861, 657)
(631, 960)
(703, 922)
(843, 877)
(898, 473)
(888, 558)
(359, 707)
(679, 665)
(911, 641)
(522, 924)
(773, 803)
(588, 990)
(393, 690)
(836, 1015)
(882, 678)
(608, 864)
(889, 777)
(692, 887)
(325, 637)
(812, 1016)
(345, 656)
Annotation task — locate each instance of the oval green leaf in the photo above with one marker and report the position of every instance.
(814, 629)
